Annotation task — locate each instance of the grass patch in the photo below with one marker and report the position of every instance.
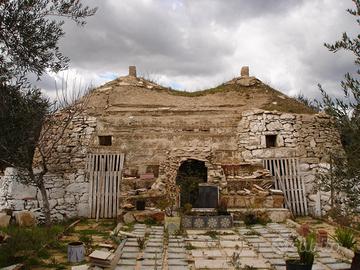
(26, 245)
(212, 234)
(92, 232)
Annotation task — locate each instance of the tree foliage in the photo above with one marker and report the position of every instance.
(344, 177)
(30, 31)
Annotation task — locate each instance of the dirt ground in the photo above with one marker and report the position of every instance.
(89, 231)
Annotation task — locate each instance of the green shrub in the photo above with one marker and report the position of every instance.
(345, 237)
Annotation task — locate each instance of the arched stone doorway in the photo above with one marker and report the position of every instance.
(190, 174)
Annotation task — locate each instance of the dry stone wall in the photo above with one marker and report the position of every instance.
(310, 138)
(154, 133)
(66, 184)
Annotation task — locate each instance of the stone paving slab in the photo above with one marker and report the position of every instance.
(129, 255)
(156, 244)
(125, 267)
(271, 255)
(127, 262)
(259, 263)
(233, 244)
(206, 253)
(128, 249)
(153, 256)
(339, 266)
(212, 264)
(327, 260)
(243, 253)
(317, 266)
(266, 250)
(277, 262)
(177, 256)
(203, 244)
(176, 250)
(151, 262)
(230, 237)
(178, 267)
(153, 249)
(177, 262)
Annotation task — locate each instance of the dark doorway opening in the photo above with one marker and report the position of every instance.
(190, 174)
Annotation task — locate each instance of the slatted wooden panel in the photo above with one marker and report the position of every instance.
(104, 172)
(288, 179)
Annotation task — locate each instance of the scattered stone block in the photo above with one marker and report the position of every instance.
(4, 220)
(25, 218)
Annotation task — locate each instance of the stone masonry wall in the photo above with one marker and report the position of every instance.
(66, 183)
(308, 137)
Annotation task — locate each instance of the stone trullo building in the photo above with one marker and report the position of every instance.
(138, 142)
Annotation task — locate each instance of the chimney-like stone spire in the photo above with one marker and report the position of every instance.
(132, 71)
(244, 71)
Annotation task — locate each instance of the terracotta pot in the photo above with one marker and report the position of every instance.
(322, 237)
(296, 265)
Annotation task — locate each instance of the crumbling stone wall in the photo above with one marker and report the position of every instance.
(66, 183)
(310, 138)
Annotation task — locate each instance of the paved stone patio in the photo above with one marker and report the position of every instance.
(261, 247)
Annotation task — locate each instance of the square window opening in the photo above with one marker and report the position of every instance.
(105, 140)
(270, 140)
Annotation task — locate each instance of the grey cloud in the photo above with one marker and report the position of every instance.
(199, 43)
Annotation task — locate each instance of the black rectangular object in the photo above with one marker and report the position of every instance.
(208, 197)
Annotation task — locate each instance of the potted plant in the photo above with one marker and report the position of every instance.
(306, 250)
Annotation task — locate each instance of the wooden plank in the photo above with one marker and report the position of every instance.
(282, 188)
(303, 188)
(122, 159)
(99, 185)
(113, 187)
(90, 171)
(291, 184)
(96, 168)
(107, 182)
(110, 186)
(299, 190)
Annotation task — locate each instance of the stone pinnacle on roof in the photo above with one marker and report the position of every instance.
(132, 71)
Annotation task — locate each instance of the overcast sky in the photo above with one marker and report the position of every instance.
(196, 44)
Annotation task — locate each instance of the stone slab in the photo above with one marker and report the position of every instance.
(266, 250)
(271, 255)
(176, 262)
(339, 266)
(173, 250)
(327, 260)
(211, 264)
(153, 256)
(151, 262)
(153, 250)
(127, 249)
(277, 262)
(182, 256)
(131, 262)
(243, 253)
(206, 253)
(129, 255)
(125, 267)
